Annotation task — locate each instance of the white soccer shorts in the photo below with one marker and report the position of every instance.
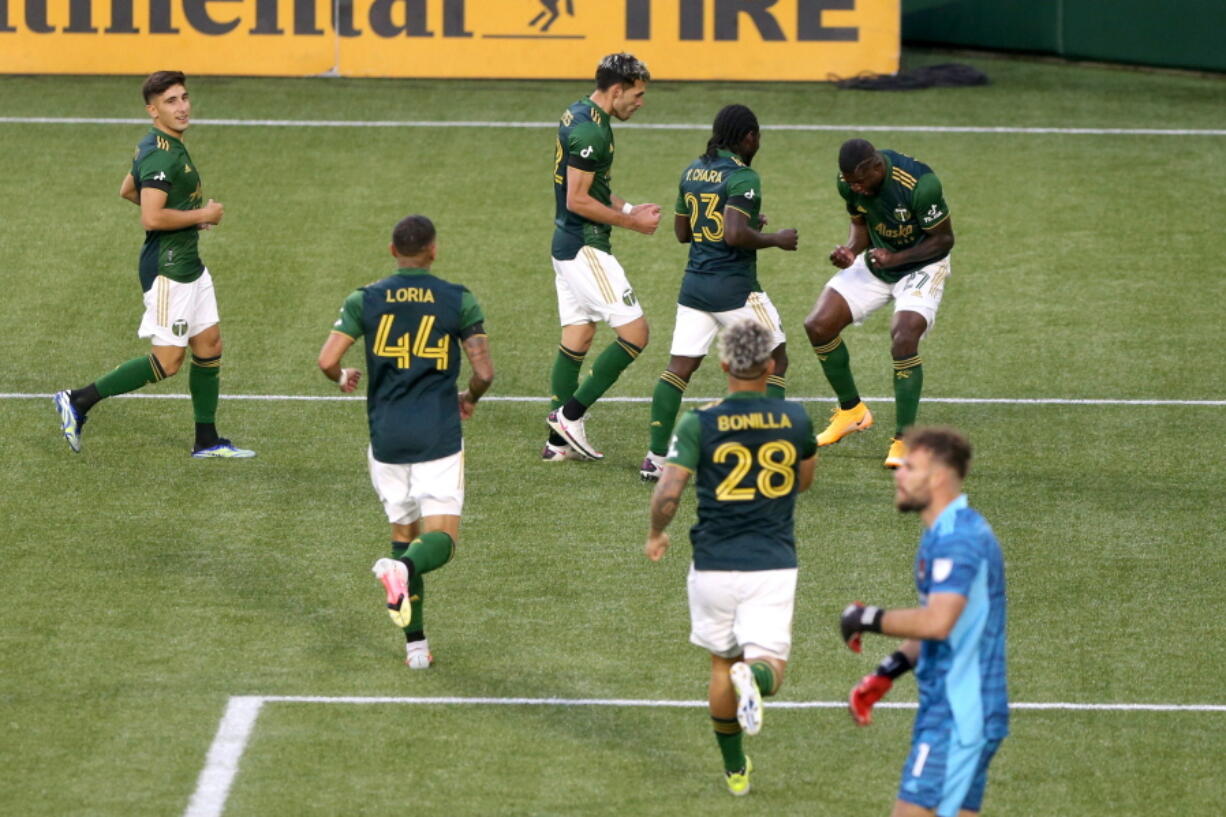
(409, 492)
(175, 312)
(865, 293)
(750, 612)
(593, 287)
(695, 329)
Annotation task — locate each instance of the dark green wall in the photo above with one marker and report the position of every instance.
(1173, 33)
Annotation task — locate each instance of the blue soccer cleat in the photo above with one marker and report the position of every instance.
(70, 422)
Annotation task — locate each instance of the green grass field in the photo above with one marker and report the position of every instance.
(144, 589)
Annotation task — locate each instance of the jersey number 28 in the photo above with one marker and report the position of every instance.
(775, 475)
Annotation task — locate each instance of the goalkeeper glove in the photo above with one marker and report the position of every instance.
(856, 619)
(872, 688)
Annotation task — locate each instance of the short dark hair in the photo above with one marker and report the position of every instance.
(620, 69)
(732, 124)
(157, 83)
(854, 153)
(412, 235)
(948, 445)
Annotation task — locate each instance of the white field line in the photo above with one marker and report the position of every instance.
(424, 123)
(221, 764)
(334, 398)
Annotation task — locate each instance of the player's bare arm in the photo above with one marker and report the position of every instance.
(477, 350)
(681, 228)
(665, 500)
(330, 362)
(642, 218)
(127, 190)
(844, 255)
(739, 233)
(934, 621)
(155, 215)
(936, 243)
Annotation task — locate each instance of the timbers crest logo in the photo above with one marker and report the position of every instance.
(629, 298)
(901, 213)
(179, 328)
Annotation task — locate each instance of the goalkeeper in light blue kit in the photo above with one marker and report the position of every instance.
(955, 639)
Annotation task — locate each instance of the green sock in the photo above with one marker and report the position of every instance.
(608, 367)
(908, 383)
(417, 590)
(764, 674)
(130, 376)
(564, 378)
(665, 402)
(836, 365)
(204, 382)
(776, 386)
(728, 736)
(417, 596)
(430, 551)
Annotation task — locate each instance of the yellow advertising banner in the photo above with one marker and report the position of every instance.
(522, 39)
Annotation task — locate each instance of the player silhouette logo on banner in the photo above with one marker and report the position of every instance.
(551, 12)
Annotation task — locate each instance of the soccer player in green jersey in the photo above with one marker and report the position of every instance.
(411, 322)
(750, 455)
(897, 249)
(591, 284)
(180, 307)
(719, 214)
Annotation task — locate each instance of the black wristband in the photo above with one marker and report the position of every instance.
(870, 619)
(894, 665)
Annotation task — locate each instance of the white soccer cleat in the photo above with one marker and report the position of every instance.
(395, 579)
(560, 453)
(417, 655)
(573, 432)
(748, 698)
(652, 468)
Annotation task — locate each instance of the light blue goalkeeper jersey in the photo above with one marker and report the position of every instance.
(962, 678)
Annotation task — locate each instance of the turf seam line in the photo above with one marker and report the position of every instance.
(334, 398)
(664, 126)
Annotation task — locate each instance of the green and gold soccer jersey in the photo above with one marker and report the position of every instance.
(745, 452)
(413, 323)
(161, 162)
(585, 142)
(909, 202)
(718, 277)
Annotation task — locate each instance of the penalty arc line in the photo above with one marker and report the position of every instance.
(340, 398)
(664, 126)
(234, 732)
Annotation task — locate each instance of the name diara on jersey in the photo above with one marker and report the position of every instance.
(418, 295)
(702, 174)
(752, 420)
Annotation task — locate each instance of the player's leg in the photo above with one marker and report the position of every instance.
(729, 734)
(693, 331)
(904, 809)
(850, 296)
(204, 377)
(436, 489)
(608, 293)
(712, 601)
(164, 359)
(905, 332)
(917, 298)
(763, 627)
(760, 308)
(578, 330)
